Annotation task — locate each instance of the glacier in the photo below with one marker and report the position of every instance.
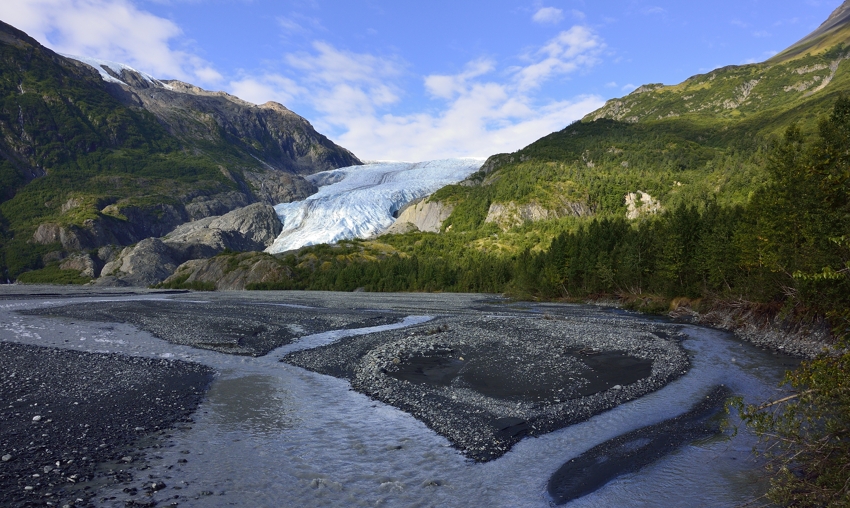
(360, 201)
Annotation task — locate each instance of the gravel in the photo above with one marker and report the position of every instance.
(486, 382)
(70, 420)
(227, 326)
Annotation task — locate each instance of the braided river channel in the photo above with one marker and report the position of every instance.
(301, 411)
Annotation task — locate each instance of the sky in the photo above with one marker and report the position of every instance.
(423, 80)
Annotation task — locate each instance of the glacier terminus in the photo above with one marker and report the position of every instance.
(361, 201)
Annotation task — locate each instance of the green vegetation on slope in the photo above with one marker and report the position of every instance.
(70, 153)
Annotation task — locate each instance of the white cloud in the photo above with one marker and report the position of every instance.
(343, 83)
(111, 30)
(477, 112)
(447, 87)
(569, 51)
(269, 87)
(548, 15)
(629, 88)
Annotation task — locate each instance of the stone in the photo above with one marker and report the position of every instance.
(36, 418)
(80, 262)
(6, 458)
(153, 260)
(147, 263)
(421, 215)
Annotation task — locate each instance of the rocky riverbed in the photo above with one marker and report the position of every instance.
(73, 421)
(438, 380)
(486, 382)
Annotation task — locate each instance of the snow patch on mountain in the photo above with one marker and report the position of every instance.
(360, 201)
(110, 71)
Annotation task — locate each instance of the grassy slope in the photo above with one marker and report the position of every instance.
(701, 141)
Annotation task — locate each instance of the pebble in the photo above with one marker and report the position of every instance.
(36, 418)
(7, 458)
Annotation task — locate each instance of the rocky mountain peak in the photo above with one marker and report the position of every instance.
(15, 37)
(271, 134)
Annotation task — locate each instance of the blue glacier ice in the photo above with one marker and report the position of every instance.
(359, 201)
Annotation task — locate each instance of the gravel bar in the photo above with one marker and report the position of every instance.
(486, 382)
(234, 327)
(71, 422)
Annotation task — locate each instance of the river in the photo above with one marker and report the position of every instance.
(271, 434)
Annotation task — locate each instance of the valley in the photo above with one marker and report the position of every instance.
(577, 322)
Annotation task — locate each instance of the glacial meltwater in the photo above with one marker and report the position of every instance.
(272, 434)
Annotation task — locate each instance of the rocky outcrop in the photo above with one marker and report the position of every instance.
(509, 215)
(144, 264)
(152, 260)
(234, 272)
(252, 228)
(135, 223)
(640, 203)
(84, 263)
(421, 215)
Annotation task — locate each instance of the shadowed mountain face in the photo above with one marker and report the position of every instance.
(95, 153)
(276, 136)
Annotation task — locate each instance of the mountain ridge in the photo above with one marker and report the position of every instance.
(835, 30)
(97, 154)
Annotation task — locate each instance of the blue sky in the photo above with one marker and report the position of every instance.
(405, 80)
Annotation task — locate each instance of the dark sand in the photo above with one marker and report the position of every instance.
(599, 371)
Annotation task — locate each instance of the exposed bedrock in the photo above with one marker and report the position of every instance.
(152, 260)
(421, 215)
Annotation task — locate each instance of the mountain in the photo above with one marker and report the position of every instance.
(834, 31)
(95, 153)
(704, 139)
(670, 196)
